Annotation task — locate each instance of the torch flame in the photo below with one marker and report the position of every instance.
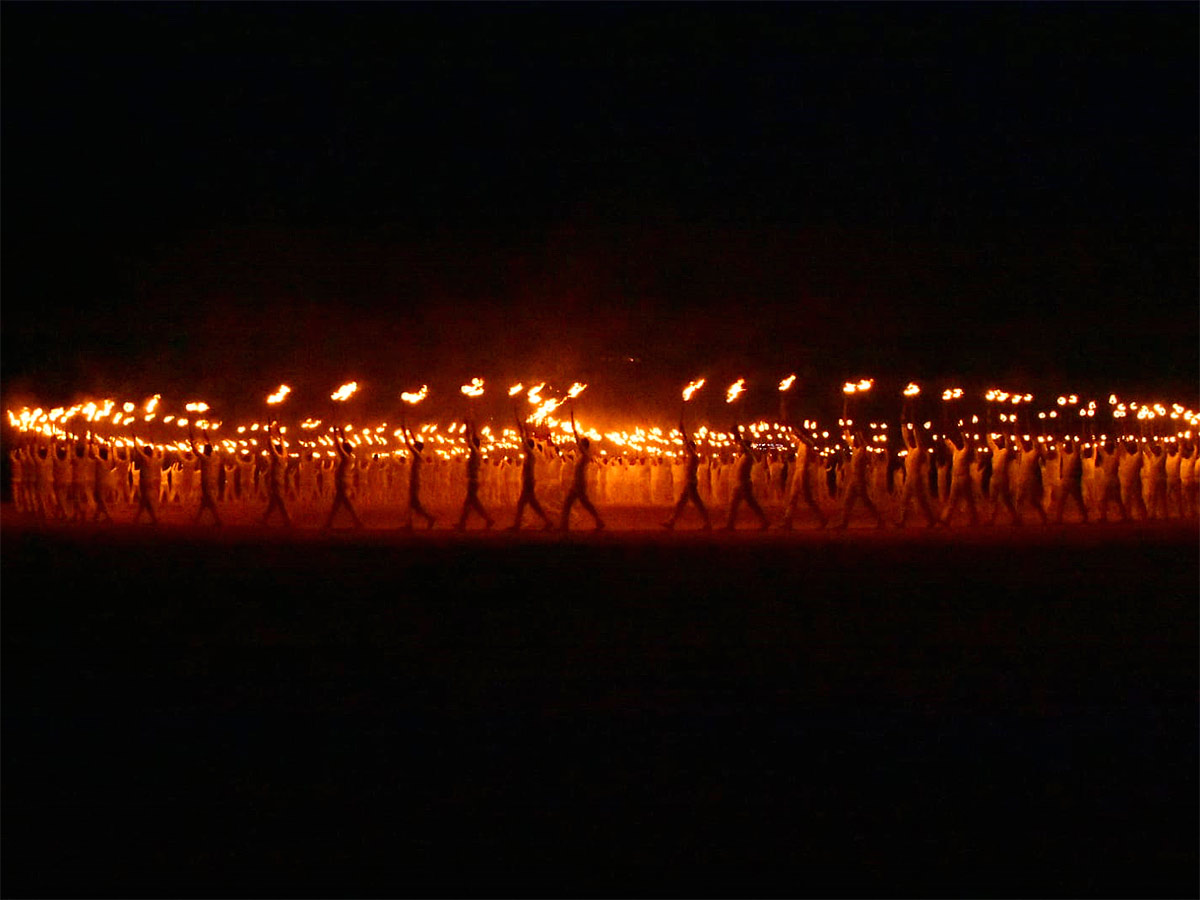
(575, 390)
(787, 382)
(692, 388)
(344, 393)
(865, 385)
(196, 407)
(279, 395)
(735, 390)
(912, 390)
(474, 389)
(515, 389)
(415, 398)
(544, 410)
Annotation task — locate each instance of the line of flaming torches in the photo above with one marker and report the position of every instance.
(90, 419)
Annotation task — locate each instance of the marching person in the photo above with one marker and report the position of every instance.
(277, 460)
(417, 461)
(342, 475)
(691, 485)
(209, 464)
(579, 482)
(743, 491)
(528, 496)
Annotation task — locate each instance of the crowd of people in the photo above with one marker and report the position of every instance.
(949, 480)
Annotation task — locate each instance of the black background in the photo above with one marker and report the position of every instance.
(206, 197)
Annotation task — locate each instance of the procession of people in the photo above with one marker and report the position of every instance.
(990, 473)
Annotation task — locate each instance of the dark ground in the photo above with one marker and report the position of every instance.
(265, 714)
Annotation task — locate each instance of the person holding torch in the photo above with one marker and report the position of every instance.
(471, 502)
(916, 462)
(691, 467)
(743, 490)
(209, 465)
(277, 460)
(528, 496)
(342, 473)
(579, 484)
(416, 456)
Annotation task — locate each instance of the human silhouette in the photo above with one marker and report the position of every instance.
(743, 489)
(417, 461)
(342, 475)
(277, 460)
(528, 496)
(579, 485)
(691, 484)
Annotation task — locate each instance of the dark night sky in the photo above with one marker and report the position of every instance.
(225, 195)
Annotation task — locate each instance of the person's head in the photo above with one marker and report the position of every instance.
(584, 443)
(208, 449)
(528, 443)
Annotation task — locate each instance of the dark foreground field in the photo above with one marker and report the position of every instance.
(265, 714)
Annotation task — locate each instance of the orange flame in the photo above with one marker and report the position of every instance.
(735, 390)
(345, 392)
(474, 389)
(415, 398)
(692, 388)
(787, 383)
(279, 396)
(912, 390)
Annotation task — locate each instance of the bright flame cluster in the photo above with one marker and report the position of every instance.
(95, 417)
